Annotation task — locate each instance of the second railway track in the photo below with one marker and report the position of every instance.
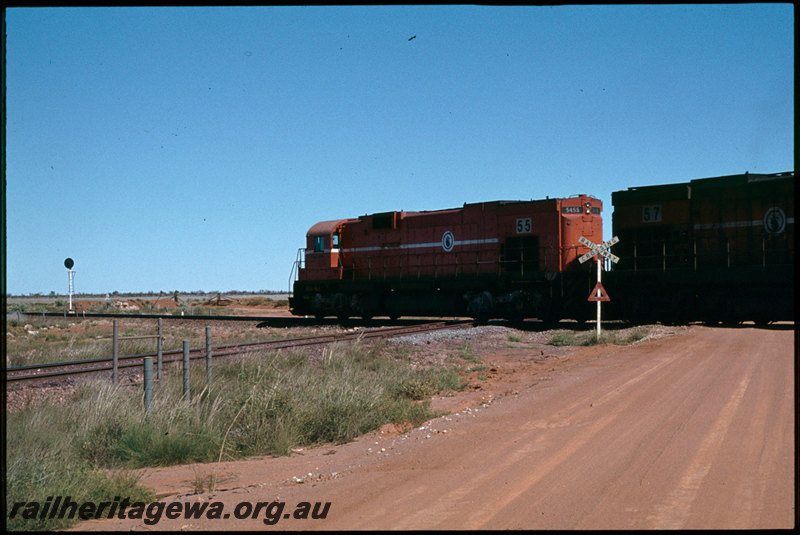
(37, 372)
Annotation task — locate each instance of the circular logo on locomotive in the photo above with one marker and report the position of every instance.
(448, 241)
(774, 220)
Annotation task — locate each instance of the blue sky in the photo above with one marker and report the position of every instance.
(192, 148)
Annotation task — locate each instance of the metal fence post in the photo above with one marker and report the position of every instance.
(186, 370)
(208, 355)
(148, 383)
(159, 350)
(115, 353)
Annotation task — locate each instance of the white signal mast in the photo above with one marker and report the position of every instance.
(68, 263)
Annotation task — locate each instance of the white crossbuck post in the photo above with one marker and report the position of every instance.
(599, 250)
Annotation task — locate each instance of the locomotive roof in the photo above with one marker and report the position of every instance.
(325, 227)
(681, 189)
(498, 202)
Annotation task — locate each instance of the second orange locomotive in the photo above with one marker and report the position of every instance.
(501, 259)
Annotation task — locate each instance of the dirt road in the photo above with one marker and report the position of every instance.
(695, 430)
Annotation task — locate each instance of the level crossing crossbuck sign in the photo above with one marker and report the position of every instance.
(601, 249)
(598, 293)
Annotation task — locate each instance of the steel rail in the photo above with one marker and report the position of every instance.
(298, 341)
(104, 363)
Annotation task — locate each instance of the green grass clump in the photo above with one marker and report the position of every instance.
(572, 338)
(634, 335)
(465, 352)
(260, 405)
(42, 461)
(563, 338)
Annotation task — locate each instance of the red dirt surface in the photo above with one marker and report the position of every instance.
(694, 430)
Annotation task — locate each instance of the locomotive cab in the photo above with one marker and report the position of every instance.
(580, 218)
(323, 242)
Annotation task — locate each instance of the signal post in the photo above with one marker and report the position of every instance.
(68, 263)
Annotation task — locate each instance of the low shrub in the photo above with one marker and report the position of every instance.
(259, 405)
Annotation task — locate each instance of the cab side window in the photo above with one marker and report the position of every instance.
(319, 244)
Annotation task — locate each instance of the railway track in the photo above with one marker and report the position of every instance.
(262, 321)
(38, 372)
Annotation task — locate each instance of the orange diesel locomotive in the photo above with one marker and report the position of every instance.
(717, 249)
(501, 259)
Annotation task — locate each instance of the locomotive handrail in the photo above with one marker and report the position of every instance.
(662, 261)
(688, 257)
(299, 263)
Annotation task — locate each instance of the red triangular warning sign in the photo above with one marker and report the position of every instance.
(599, 293)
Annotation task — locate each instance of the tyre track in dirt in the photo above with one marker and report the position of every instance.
(690, 431)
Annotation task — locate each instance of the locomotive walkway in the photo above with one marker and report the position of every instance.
(695, 431)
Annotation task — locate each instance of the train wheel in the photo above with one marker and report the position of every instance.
(550, 321)
(516, 319)
(550, 313)
(481, 319)
(582, 316)
(480, 306)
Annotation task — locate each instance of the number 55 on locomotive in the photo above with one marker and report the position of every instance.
(500, 259)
